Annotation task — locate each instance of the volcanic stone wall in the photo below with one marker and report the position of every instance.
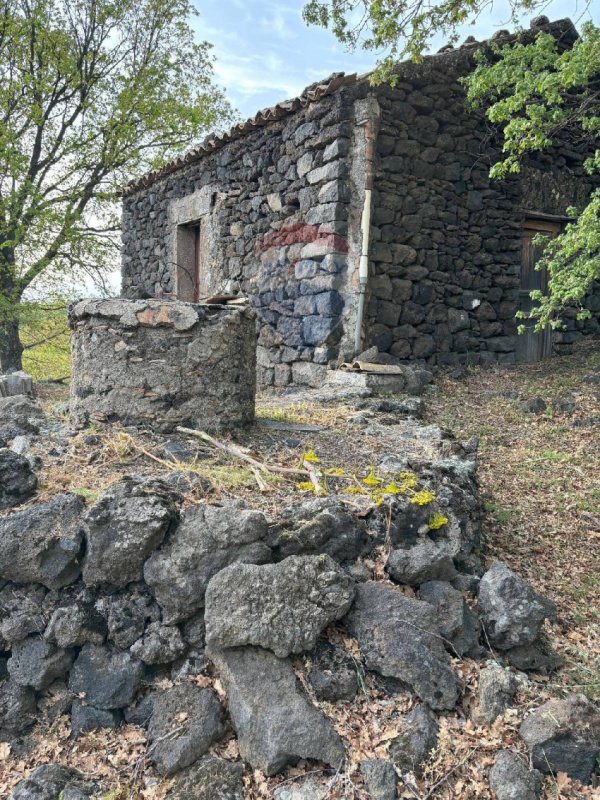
(446, 239)
(274, 207)
(162, 364)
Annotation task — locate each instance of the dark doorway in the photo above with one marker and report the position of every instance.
(532, 345)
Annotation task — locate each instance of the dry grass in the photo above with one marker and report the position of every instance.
(540, 477)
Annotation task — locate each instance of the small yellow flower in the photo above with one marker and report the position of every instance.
(372, 479)
(306, 486)
(423, 497)
(334, 471)
(311, 457)
(392, 488)
(437, 521)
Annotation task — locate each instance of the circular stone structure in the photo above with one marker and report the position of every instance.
(162, 363)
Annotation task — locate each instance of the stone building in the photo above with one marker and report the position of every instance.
(358, 215)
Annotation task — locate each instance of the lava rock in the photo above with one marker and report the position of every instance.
(210, 778)
(125, 527)
(127, 616)
(141, 712)
(332, 674)
(535, 405)
(87, 718)
(17, 481)
(536, 657)
(275, 722)
(17, 709)
(22, 611)
(564, 736)
(511, 611)
(108, 680)
(52, 781)
(42, 543)
(399, 638)
(73, 626)
(37, 663)
(458, 624)
(380, 778)
(511, 779)
(196, 718)
(208, 539)
(495, 694)
(306, 790)
(322, 525)
(565, 404)
(282, 607)
(424, 561)
(412, 748)
(21, 411)
(161, 644)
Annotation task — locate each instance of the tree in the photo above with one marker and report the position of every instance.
(534, 93)
(92, 93)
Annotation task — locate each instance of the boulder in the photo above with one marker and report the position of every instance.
(42, 544)
(511, 611)
(124, 527)
(424, 561)
(37, 663)
(564, 736)
(399, 637)
(17, 709)
(495, 694)
(22, 611)
(86, 718)
(210, 778)
(208, 539)
(127, 615)
(107, 680)
(412, 748)
(53, 781)
(185, 721)
(332, 673)
(458, 624)
(511, 779)
(275, 722)
(21, 412)
(322, 525)
(160, 644)
(17, 481)
(535, 657)
(74, 625)
(380, 778)
(305, 790)
(282, 607)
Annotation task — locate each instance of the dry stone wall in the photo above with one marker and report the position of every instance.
(162, 363)
(446, 239)
(274, 208)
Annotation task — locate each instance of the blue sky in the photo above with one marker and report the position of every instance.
(266, 53)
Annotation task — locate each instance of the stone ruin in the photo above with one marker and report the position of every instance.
(161, 364)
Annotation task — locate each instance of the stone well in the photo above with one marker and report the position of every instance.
(162, 363)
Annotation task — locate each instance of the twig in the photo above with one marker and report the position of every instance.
(238, 453)
(445, 777)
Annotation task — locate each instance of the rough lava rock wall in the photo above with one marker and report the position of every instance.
(162, 364)
(280, 213)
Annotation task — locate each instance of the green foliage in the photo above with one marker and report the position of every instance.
(45, 335)
(535, 93)
(399, 28)
(92, 93)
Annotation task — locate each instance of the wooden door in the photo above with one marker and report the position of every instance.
(532, 345)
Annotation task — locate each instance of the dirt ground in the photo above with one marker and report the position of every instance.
(539, 473)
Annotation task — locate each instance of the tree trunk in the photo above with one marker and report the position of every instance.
(11, 349)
